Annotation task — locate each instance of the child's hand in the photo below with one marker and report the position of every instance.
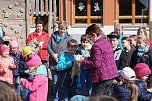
(27, 71)
(11, 65)
(5, 70)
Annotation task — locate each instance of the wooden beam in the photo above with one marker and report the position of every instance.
(133, 12)
(46, 7)
(88, 11)
(37, 8)
(42, 7)
(50, 18)
(27, 18)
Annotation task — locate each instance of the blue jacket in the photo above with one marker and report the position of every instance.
(124, 93)
(65, 61)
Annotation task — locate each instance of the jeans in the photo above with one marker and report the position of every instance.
(55, 87)
(85, 78)
(17, 85)
(101, 88)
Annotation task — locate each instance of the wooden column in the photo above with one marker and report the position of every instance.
(27, 18)
(50, 18)
(133, 12)
(88, 12)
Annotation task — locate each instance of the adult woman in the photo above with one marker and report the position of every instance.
(57, 45)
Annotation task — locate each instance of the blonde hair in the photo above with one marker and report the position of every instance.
(142, 38)
(63, 24)
(133, 88)
(33, 69)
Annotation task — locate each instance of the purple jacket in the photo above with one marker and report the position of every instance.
(101, 63)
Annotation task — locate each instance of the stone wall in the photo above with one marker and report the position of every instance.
(12, 20)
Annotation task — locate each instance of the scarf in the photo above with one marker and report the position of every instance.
(58, 38)
(141, 51)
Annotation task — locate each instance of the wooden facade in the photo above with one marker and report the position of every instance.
(18, 16)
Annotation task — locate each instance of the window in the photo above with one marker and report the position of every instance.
(88, 11)
(133, 11)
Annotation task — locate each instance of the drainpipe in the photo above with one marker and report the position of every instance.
(150, 20)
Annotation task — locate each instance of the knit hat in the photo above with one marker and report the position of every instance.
(13, 44)
(142, 69)
(128, 73)
(33, 61)
(26, 51)
(3, 48)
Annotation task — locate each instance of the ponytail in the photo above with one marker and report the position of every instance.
(134, 91)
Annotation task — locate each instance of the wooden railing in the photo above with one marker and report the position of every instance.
(38, 8)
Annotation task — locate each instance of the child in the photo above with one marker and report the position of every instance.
(143, 31)
(85, 75)
(133, 41)
(19, 61)
(34, 45)
(37, 83)
(119, 30)
(64, 68)
(6, 64)
(143, 53)
(127, 91)
(7, 92)
(127, 49)
(142, 72)
(119, 54)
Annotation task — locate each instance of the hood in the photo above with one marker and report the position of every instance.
(42, 70)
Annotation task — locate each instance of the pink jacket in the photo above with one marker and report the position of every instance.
(6, 71)
(38, 87)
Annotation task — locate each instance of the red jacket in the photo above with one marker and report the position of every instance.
(43, 37)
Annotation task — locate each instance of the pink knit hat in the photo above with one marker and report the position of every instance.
(142, 69)
(14, 44)
(3, 48)
(33, 61)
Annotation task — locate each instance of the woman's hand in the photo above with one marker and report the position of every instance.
(55, 57)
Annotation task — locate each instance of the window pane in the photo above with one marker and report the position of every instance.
(96, 7)
(125, 20)
(81, 21)
(125, 7)
(141, 20)
(81, 7)
(97, 21)
(141, 7)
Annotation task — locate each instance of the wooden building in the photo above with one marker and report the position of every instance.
(17, 17)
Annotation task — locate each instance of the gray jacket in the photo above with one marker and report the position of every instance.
(55, 47)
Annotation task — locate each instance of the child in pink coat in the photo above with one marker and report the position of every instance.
(37, 83)
(6, 64)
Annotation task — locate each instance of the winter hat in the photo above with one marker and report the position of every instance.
(142, 69)
(128, 73)
(26, 51)
(33, 61)
(13, 44)
(3, 48)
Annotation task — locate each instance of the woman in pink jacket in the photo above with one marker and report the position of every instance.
(6, 64)
(37, 83)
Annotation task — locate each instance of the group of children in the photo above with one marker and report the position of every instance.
(133, 60)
